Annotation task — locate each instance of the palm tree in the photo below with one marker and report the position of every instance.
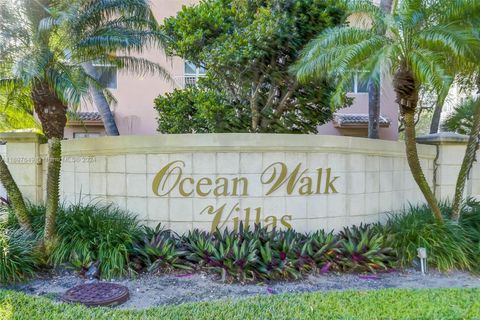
(15, 101)
(419, 37)
(100, 37)
(47, 59)
(16, 117)
(465, 119)
(35, 66)
(469, 158)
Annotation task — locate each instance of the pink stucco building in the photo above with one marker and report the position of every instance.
(135, 115)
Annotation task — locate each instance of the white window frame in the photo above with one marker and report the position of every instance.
(83, 135)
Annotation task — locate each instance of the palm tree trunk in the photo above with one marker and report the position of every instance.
(101, 102)
(467, 163)
(406, 89)
(373, 109)
(374, 90)
(415, 167)
(53, 191)
(53, 116)
(434, 126)
(15, 196)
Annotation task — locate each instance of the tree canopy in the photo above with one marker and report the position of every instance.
(247, 48)
(417, 43)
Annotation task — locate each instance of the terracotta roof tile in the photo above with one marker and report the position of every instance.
(348, 119)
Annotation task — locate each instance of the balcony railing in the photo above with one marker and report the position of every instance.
(187, 80)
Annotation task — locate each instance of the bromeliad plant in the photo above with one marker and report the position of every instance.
(157, 251)
(323, 250)
(364, 250)
(261, 254)
(105, 235)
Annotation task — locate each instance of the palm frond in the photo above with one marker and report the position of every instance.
(15, 119)
(94, 13)
(457, 41)
(68, 84)
(461, 119)
(137, 65)
(330, 51)
(428, 69)
(365, 12)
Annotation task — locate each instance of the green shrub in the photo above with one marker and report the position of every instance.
(17, 255)
(228, 254)
(448, 245)
(196, 110)
(37, 218)
(96, 232)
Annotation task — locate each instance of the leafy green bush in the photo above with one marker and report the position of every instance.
(322, 250)
(196, 110)
(449, 246)
(37, 217)
(17, 255)
(96, 232)
(88, 233)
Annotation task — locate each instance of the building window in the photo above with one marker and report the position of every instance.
(81, 135)
(192, 73)
(107, 75)
(359, 85)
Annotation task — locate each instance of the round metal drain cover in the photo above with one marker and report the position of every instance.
(97, 294)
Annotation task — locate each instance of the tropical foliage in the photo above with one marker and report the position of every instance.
(47, 49)
(195, 110)
(103, 235)
(417, 43)
(461, 119)
(89, 233)
(246, 48)
(449, 246)
(17, 255)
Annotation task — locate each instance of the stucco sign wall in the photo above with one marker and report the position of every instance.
(204, 181)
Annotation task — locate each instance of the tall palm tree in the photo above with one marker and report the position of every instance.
(468, 159)
(36, 66)
(465, 119)
(47, 59)
(415, 47)
(14, 117)
(109, 33)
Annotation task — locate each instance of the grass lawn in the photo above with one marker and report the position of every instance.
(381, 304)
